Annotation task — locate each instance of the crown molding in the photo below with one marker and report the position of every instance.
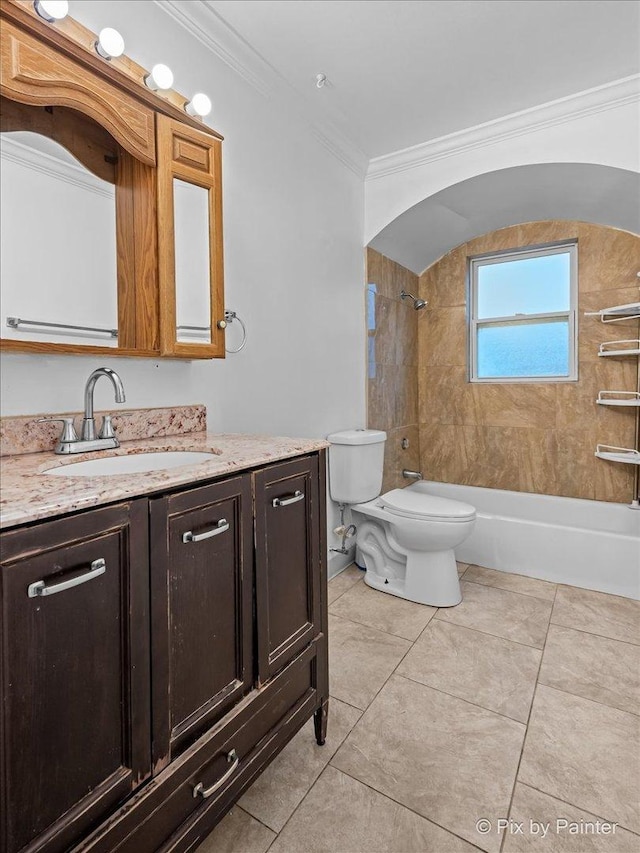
(212, 31)
(54, 167)
(596, 100)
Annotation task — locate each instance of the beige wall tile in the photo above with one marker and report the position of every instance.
(385, 333)
(534, 437)
(612, 258)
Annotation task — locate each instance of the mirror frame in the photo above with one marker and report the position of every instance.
(56, 65)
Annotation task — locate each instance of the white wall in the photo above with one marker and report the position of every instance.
(294, 267)
(599, 127)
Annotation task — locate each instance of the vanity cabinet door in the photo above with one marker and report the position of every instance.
(74, 673)
(287, 506)
(201, 593)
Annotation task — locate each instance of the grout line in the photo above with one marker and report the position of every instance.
(488, 633)
(515, 592)
(574, 806)
(388, 796)
(461, 698)
(236, 805)
(587, 699)
(382, 631)
(526, 731)
(594, 633)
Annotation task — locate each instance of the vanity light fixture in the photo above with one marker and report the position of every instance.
(52, 10)
(159, 78)
(110, 43)
(199, 105)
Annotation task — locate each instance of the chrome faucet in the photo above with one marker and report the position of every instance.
(89, 423)
(411, 475)
(106, 438)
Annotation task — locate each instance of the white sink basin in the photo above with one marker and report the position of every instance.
(133, 464)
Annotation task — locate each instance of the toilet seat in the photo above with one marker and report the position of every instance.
(411, 504)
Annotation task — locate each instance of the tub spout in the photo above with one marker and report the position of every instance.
(411, 475)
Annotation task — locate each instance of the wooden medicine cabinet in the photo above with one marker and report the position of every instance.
(111, 203)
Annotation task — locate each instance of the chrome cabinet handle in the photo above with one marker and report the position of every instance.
(220, 527)
(199, 789)
(297, 496)
(39, 588)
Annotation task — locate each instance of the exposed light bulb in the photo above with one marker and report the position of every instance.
(199, 105)
(110, 43)
(52, 10)
(160, 77)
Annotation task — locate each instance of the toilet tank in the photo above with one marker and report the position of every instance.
(356, 458)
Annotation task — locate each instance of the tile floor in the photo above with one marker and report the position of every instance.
(521, 704)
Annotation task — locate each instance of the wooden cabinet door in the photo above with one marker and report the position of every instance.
(74, 673)
(287, 507)
(201, 591)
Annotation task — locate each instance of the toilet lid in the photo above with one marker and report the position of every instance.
(413, 504)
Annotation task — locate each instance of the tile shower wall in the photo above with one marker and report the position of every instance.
(393, 363)
(536, 437)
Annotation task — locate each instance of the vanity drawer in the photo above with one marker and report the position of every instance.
(235, 751)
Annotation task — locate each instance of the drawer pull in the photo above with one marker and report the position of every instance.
(220, 527)
(297, 496)
(200, 791)
(39, 588)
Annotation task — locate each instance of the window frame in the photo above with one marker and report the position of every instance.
(473, 324)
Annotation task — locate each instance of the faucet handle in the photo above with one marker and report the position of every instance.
(68, 430)
(106, 430)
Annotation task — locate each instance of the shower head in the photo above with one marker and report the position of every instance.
(417, 303)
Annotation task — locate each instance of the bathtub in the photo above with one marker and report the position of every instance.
(591, 544)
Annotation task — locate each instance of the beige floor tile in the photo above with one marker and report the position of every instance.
(360, 660)
(584, 753)
(238, 832)
(521, 618)
(344, 581)
(537, 812)
(595, 667)
(462, 568)
(488, 671)
(383, 611)
(274, 796)
(598, 613)
(448, 760)
(511, 582)
(341, 815)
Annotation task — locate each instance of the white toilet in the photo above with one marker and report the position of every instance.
(405, 537)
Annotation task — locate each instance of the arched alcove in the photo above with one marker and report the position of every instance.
(603, 195)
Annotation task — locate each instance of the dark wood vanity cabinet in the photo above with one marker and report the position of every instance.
(202, 610)
(142, 700)
(75, 674)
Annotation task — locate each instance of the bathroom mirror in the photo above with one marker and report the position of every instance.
(192, 237)
(58, 261)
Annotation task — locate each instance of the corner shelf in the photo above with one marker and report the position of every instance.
(628, 399)
(618, 313)
(620, 350)
(620, 398)
(618, 454)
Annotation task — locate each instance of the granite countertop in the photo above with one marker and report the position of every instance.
(26, 494)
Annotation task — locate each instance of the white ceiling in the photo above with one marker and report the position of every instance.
(577, 191)
(407, 71)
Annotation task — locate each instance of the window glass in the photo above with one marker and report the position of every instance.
(523, 349)
(525, 286)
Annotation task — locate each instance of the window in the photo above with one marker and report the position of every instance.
(523, 315)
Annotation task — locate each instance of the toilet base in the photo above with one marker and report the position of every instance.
(442, 589)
